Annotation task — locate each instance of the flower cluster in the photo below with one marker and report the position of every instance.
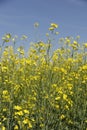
(43, 90)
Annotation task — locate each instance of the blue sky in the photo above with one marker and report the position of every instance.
(18, 17)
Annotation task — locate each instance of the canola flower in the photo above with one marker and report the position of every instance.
(7, 37)
(53, 26)
(43, 90)
(3, 128)
(85, 45)
(17, 107)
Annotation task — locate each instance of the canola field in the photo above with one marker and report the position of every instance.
(45, 90)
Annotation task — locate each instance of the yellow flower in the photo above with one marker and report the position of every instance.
(51, 28)
(85, 121)
(74, 46)
(8, 35)
(24, 37)
(4, 69)
(67, 107)
(57, 98)
(70, 122)
(54, 25)
(56, 69)
(41, 125)
(16, 127)
(85, 45)
(30, 125)
(25, 121)
(83, 81)
(75, 43)
(64, 96)
(70, 86)
(62, 116)
(5, 92)
(17, 107)
(84, 67)
(67, 41)
(20, 113)
(41, 44)
(3, 128)
(63, 70)
(54, 85)
(26, 111)
(4, 118)
(57, 106)
(70, 102)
